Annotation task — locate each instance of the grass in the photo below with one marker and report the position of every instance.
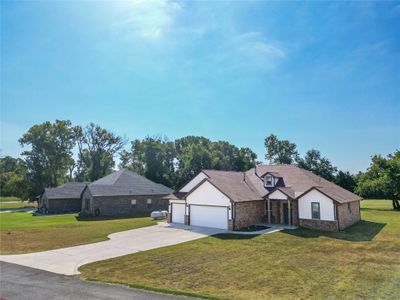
(38, 233)
(10, 199)
(6, 206)
(360, 262)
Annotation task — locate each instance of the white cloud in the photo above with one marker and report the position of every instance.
(255, 52)
(148, 19)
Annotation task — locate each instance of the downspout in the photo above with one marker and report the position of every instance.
(337, 217)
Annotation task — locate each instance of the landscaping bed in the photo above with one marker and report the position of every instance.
(254, 228)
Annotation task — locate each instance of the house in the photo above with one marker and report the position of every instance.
(62, 199)
(124, 192)
(266, 194)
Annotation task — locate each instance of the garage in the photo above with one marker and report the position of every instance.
(209, 216)
(178, 213)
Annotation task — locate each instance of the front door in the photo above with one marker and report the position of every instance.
(285, 214)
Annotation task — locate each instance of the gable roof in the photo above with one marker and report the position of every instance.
(233, 185)
(124, 182)
(70, 190)
(294, 182)
(301, 181)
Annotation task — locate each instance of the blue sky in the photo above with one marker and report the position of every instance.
(323, 75)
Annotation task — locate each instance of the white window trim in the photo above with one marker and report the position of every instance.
(319, 211)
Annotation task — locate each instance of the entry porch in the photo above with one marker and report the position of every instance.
(282, 211)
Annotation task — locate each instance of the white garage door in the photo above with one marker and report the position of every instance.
(209, 216)
(178, 213)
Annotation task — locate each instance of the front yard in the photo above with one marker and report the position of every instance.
(20, 232)
(361, 262)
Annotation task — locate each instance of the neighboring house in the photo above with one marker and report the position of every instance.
(124, 192)
(62, 199)
(267, 194)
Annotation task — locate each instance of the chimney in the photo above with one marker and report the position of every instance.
(255, 170)
(244, 176)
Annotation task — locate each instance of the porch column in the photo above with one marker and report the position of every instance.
(269, 211)
(289, 214)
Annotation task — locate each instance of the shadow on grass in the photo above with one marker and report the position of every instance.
(112, 217)
(379, 209)
(361, 232)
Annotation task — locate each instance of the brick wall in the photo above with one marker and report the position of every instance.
(115, 205)
(348, 214)
(249, 213)
(56, 206)
(319, 224)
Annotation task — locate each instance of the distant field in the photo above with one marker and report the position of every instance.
(361, 262)
(25, 204)
(38, 233)
(9, 199)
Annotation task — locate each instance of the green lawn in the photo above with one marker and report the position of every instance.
(38, 233)
(361, 262)
(9, 199)
(25, 204)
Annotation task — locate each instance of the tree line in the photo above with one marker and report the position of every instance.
(50, 161)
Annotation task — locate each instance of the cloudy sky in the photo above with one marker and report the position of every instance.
(323, 75)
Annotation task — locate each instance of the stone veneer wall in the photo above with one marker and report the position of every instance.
(248, 213)
(319, 224)
(348, 214)
(114, 205)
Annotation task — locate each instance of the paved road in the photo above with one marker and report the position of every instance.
(23, 283)
(66, 261)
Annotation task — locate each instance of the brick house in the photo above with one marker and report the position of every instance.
(124, 192)
(266, 194)
(62, 199)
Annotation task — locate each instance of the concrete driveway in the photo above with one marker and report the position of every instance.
(66, 261)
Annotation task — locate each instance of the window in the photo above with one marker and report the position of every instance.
(133, 202)
(149, 203)
(315, 210)
(269, 180)
(87, 204)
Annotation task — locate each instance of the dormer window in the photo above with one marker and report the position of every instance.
(269, 181)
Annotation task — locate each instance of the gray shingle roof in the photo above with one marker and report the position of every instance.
(70, 190)
(124, 182)
(233, 184)
(247, 186)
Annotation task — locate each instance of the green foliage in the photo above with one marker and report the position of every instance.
(280, 151)
(50, 154)
(97, 148)
(345, 180)
(153, 157)
(314, 162)
(173, 163)
(382, 179)
(13, 177)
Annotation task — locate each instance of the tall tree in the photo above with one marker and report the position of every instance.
(280, 151)
(152, 157)
(345, 180)
(50, 155)
(314, 162)
(382, 179)
(97, 148)
(13, 177)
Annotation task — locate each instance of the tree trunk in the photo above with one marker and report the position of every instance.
(396, 204)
